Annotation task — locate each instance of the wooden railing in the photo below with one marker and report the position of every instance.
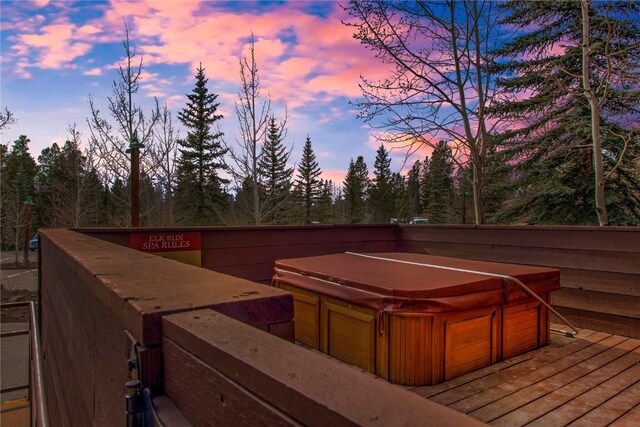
(214, 378)
(97, 297)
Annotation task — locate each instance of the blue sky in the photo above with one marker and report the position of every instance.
(57, 54)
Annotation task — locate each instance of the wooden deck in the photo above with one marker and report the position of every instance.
(590, 380)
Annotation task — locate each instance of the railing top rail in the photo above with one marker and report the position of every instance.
(41, 417)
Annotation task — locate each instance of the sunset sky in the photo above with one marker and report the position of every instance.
(56, 54)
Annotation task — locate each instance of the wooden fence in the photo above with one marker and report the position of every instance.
(600, 266)
(201, 341)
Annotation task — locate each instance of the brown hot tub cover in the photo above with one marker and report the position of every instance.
(401, 282)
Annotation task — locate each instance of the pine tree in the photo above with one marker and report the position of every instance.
(308, 185)
(413, 192)
(275, 176)
(116, 212)
(380, 192)
(551, 149)
(18, 170)
(440, 190)
(424, 186)
(463, 212)
(324, 211)
(355, 188)
(400, 198)
(498, 183)
(200, 196)
(69, 189)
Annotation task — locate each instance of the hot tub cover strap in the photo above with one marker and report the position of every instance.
(462, 270)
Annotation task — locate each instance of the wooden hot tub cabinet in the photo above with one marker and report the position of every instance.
(414, 324)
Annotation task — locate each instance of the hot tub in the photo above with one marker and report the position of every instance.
(416, 319)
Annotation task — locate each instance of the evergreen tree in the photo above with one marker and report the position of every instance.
(275, 176)
(551, 150)
(424, 186)
(200, 196)
(463, 213)
(498, 184)
(400, 199)
(49, 174)
(308, 184)
(151, 198)
(68, 187)
(18, 170)
(117, 213)
(324, 211)
(94, 212)
(440, 190)
(413, 192)
(381, 197)
(355, 188)
(339, 209)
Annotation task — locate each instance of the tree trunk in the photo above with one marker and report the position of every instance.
(594, 106)
(477, 196)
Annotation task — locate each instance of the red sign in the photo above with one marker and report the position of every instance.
(165, 242)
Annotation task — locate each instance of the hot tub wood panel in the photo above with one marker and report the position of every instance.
(521, 328)
(436, 336)
(471, 342)
(410, 349)
(348, 333)
(306, 305)
(416, 348)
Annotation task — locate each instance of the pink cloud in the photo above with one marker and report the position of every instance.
(174, 101)
(55, 45)
(331, 64)
(89, 29)
(266, 49)
(23, 23)
(298, 67)
(93, 72)
(344, 83)
(324, 63)
(21, 69)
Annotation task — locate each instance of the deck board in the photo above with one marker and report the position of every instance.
(511, 382)
(591, 380)
(552, 396)
(598, 402)
(516, 393)
(507, 370)
(629, 419)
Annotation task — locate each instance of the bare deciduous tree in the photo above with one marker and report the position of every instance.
(6, 118)
(441, 84)
(129, 120)
(614, 57)
(253, 114)
(164, 154)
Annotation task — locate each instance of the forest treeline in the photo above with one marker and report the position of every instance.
(530, 110)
